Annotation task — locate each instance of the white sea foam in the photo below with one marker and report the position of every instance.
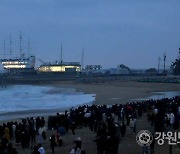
(28, 97)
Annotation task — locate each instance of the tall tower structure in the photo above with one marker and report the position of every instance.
(164, 58)
(61, 54)
(10, 46)
(82, 59)
(159, 59)
(4, 49)
(20, 44)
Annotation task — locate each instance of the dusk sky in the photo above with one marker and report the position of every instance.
(112, 32)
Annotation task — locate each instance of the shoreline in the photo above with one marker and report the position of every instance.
(109, 93)
(17, 115)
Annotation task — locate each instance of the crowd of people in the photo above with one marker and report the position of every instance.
(108, 122)
(24, 133)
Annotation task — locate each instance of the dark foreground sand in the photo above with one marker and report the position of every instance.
(111, 93)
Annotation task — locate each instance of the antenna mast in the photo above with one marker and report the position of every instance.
(29, 46)
(4, 48)
(164, 62)
(159, 59)
(20, 43)
(61, 54)
(82, 59)
(10, 49)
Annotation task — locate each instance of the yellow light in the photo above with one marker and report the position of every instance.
(13, 62)
(14, 66)
(57, 68)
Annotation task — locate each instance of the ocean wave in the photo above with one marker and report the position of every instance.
(28, 97)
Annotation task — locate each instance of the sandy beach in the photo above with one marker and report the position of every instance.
(121, 91)
(114, 92)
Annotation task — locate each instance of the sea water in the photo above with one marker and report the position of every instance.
(28, 97)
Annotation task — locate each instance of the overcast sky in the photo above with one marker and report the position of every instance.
(130, 32)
